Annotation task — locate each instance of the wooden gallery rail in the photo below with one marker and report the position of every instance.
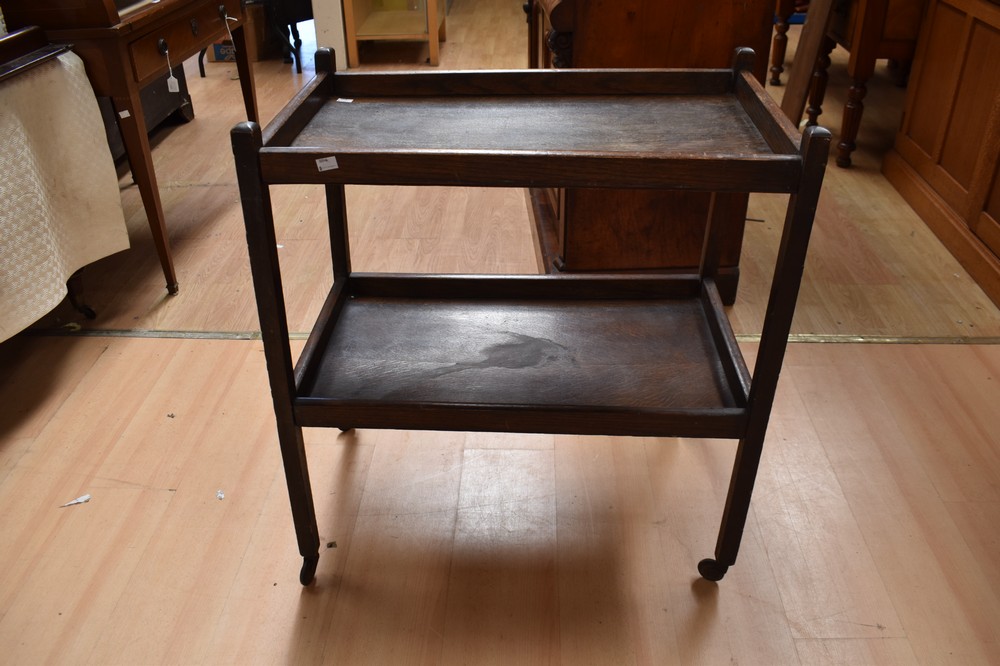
(642, 355)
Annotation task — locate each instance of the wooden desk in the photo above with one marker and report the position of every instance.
(124, 46)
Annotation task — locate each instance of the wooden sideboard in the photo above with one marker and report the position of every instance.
(946, 158)
(125, 45)
(652, 230)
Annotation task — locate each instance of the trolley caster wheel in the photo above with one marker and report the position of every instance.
(308, 572)
(712, 570)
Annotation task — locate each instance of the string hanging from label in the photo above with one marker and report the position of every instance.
(230, 32)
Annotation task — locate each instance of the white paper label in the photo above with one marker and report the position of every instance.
(172, 84)
(327, 163)
(124, 114)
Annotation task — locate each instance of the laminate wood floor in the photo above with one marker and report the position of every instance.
(874, 531)
(872, 538)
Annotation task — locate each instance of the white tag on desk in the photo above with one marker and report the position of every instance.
(327, 163)
(172, 84)
(124, 114)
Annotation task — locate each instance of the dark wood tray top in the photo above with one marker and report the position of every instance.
(675, 129)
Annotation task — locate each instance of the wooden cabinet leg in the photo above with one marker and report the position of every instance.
(728, 281)
(350, 33)
(817, 90)
(132, 125)
(853, 110)
(433, 43)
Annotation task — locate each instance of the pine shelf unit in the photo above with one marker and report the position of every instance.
(395, 20)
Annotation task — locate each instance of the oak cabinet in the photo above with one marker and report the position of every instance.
(652, 231)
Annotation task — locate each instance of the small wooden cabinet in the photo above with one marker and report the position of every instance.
(651, 231)
(946, 157)
(395, 20)
(643, 355)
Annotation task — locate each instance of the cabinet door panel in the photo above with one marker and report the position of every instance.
(993, 201)
(974, 103)
(929, 109)
(653, 33)
(987, 227)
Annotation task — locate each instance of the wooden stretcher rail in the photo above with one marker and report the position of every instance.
(535, 82)
(727, 423)
(528, 169)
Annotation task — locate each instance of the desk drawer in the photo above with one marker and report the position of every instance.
(185, 33)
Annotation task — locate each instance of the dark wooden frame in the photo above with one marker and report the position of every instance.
(358, 370)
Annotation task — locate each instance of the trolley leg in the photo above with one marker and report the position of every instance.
(734, 517)
(265, 268)
(293, 457)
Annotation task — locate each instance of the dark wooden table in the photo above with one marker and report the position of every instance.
(869, 30)
(126, 48)
(611, 354)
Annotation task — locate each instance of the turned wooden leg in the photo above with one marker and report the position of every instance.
(817, 90)
(779, 44)
(852, 122)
